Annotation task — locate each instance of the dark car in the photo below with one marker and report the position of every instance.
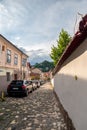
(17, 87)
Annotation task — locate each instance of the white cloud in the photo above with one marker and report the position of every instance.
(36, 25)
(39, 55)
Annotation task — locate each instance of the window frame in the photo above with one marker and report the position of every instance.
(24, 61)
(15, 59)
(8, 56)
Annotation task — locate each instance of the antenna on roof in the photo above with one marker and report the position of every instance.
(77, 19)
(80, 14)
(75, 23)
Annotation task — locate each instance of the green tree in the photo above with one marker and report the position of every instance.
(62, 42)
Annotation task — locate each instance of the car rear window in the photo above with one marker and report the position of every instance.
(20, 82)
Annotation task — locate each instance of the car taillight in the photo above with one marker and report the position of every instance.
(23, 87)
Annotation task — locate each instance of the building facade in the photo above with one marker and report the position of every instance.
(35, 74)
(13, 63)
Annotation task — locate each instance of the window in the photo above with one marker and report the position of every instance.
(15, 82)
(8, 56)
(8, 76)
(3, 48)
(24, 62)
(15, 59)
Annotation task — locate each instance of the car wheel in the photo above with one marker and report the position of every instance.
(9, 94)
(26, 94)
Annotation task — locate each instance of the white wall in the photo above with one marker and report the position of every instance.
(3, 79)
(52, 81)
(72, 92)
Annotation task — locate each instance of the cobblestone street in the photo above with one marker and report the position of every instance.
(38, 111)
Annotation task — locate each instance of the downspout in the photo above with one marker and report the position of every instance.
(21, 67)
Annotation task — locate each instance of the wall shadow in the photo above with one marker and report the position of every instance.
(71, 91)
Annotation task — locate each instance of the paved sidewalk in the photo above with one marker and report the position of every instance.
(38, 111)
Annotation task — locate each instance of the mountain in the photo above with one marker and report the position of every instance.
(36, 56)
(45, 66)
(38, 59)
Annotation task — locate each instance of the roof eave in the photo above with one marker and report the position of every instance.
(13, 45)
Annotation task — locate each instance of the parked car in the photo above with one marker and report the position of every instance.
(42, 82)
(17, 87)
(36, 83)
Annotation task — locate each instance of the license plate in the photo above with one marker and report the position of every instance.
(15, 88)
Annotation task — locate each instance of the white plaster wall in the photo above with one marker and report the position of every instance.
(3, 79)
(52, 81)
(72, 92)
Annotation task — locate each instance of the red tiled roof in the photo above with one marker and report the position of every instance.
(34, 74)
(75, 42)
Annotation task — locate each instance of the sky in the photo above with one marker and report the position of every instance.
(34, 25)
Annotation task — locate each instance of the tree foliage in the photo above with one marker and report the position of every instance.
(62, 42)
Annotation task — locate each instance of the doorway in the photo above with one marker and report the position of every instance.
(15, 76)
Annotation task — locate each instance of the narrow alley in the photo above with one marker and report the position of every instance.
(38, 111)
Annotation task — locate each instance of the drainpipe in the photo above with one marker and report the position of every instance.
(21, 67)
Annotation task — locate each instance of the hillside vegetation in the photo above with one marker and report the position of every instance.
(44, 66)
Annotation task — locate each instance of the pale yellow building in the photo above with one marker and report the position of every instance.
(13, 63)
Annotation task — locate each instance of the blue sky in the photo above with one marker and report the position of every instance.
(36, 24)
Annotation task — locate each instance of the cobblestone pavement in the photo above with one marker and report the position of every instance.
(38, 111)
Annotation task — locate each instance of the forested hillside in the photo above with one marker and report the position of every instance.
(45, 66)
